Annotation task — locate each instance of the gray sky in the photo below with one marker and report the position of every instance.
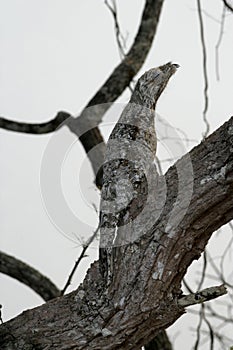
(54, 56)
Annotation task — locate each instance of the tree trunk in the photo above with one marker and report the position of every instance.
(144, 296)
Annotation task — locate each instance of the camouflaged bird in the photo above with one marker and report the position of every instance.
(129, 167)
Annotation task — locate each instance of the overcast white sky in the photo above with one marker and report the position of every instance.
(54, 56)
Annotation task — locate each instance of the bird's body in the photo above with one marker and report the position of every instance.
(129, 162)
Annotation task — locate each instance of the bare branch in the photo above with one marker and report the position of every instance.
(204, 67)
(213, 332)
(212, 313)
(219, 273)
(36, 128)
(202, 296)
(129, 67)
(119, 36)
(228, 6)
(203, 274)
(211, 335)
(29, 276)
(86, 125)
(121, 42)
(81, 256)
(187, 286)
(198, 330)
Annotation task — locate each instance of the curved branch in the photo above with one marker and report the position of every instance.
(133, 61)
(143, 299)
(86, 125)
(35, 128)
(227, 5)
(29, 276)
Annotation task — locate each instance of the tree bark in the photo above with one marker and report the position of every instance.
(144, 296)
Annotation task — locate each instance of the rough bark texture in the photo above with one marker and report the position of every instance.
(129, 173)
(143, 298)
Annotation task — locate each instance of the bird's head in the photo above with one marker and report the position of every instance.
(152, 83)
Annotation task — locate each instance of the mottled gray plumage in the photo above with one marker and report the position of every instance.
(129, 166)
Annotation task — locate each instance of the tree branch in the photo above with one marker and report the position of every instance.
(81, 256)
(202, 296)
(39, 128)
(26, 274)
(119, 36)
(86, 125)
(206, 83)
(129, 67)
(227, 5)
(144, 298)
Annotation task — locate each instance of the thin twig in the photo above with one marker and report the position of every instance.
(212, 313)
(206, 85)
(187, 286)
(220, 275)
(198, 330)
(210, 16)
(121, 42)
(227, 250)
(81, 256)
(211, 332)
(203, 271)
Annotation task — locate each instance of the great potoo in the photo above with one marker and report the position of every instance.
(128, 170)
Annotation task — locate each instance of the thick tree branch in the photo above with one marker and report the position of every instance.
(29, 276)
(86, 125)
(144, 297)
(133, 61)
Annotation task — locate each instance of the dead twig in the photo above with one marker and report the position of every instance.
(206, 84)
(81, 256)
